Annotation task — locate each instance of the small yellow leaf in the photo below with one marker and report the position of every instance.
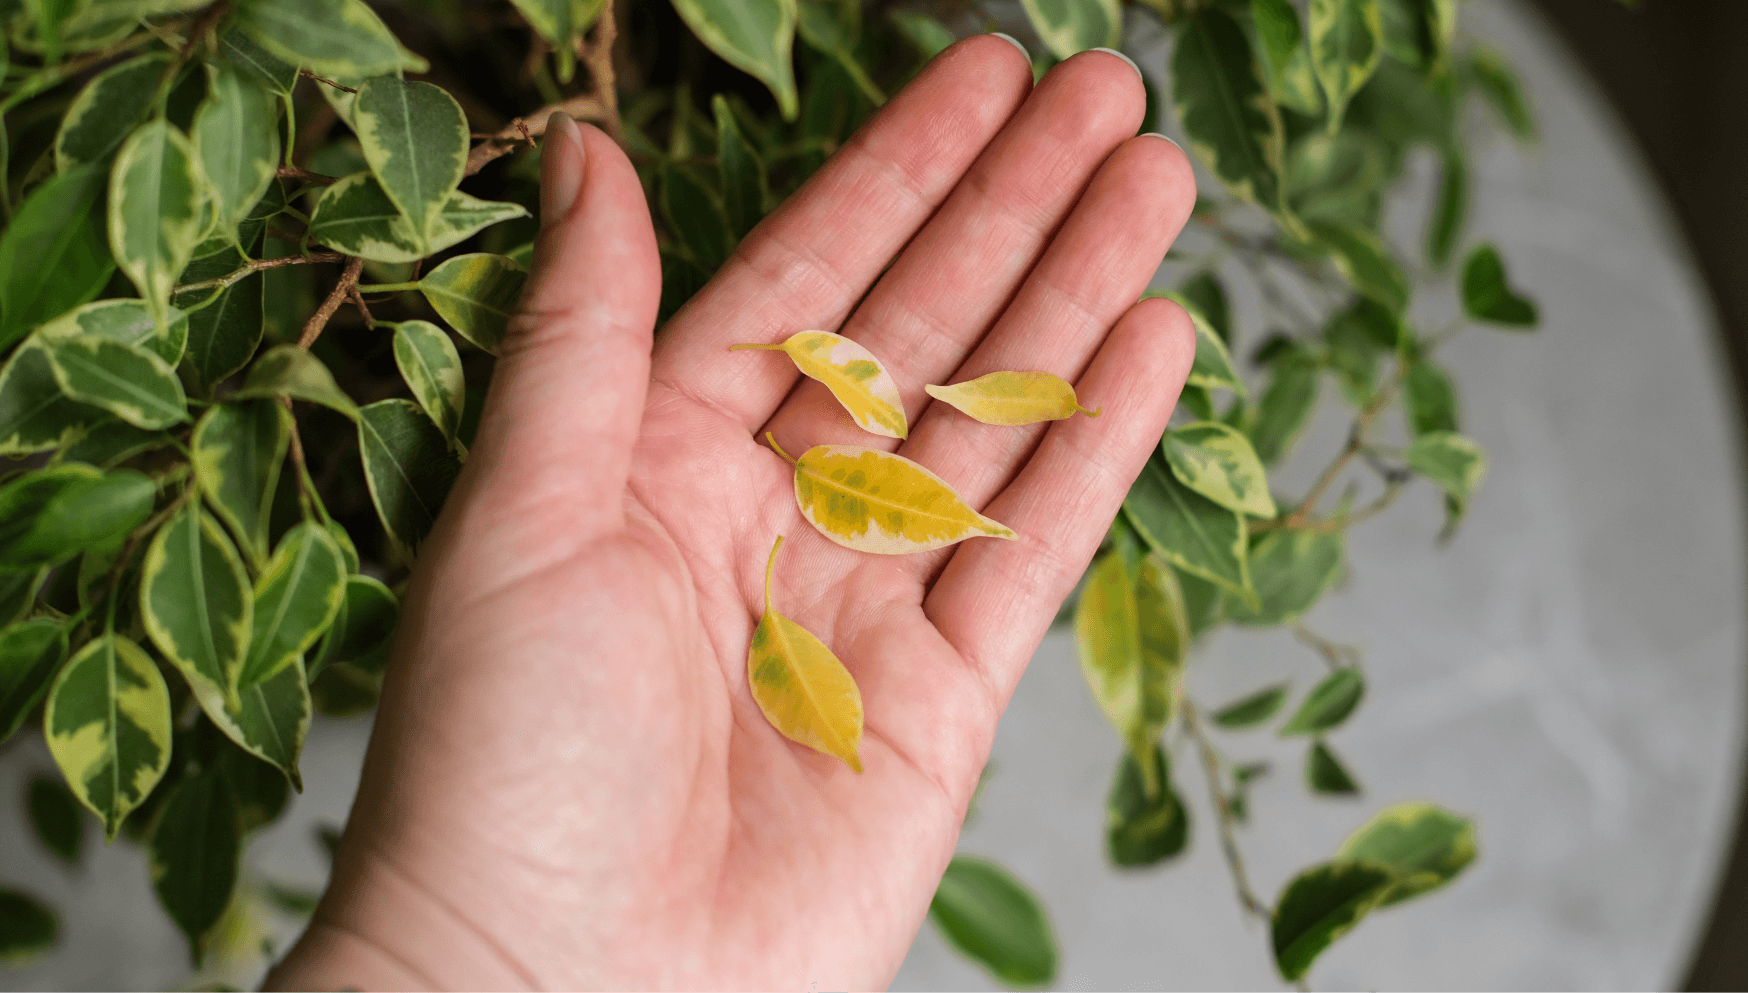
(1013, 398)
(853, 375)
(885, 504)
(800, 686)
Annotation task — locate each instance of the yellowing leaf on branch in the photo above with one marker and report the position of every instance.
(884, 504)
(1013, 398)
(853, 375)
(800, 686)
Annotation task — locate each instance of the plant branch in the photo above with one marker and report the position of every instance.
(312, 328)
(1247, 899)
(305, 73)
(295, 172)
(600, 105)
(1336, 656)
(253, 266)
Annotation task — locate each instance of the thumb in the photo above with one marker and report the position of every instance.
(567, 395)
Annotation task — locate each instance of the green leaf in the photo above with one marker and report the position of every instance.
(408, 465)
(240, 51)
(30, 654)
(54, 255)
(1328, 704)
(109, 107)
(681, 278)
(287, 370)
(357, 217)
(126, 321)
(476, 294)
(1203, 602)
(1071, 26)
(362, 627)
(198, 606)
(1192, 532)
(697, 217)
(1365, 262)
(1131, 636)
(1320, 905)
(432, 369)
(1223, 101)
(297, 597)
(1415, 31)
(109, 443)
(18, 596)
(560, 22)
(195, 850)
(754, 36)
(1347, 40)
(330, 37)
(34, 414)
(224, 334)
(127, 380)
(928, 36)
(1291, 78)
(1338, 179)
(1498, 85)
(415, 138)
(236, 452)
(1324, 773)
(345, 690)
(1426, 845)
(1217, 461)
(1254, 709)
(1285, 406)
(1405, 107)
(1488, 296)
(1291, 570)
(1431, 398)
(744, 187)
(1144, 827)
(271, 720)
(52, 514)
(1204, 294)
(236, 137)
(1454, 463)
(27, 928)
(993, 919)
(157, 197)
(107, 722)
(260, 789)
(1451, 209)
(1212, 367)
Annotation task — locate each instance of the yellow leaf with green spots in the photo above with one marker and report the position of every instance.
(1013, 398)
(884, 504)
(107, 723)
(1131, 635)
(800, 686)
(853, 375)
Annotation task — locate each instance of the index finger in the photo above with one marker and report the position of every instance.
(806, 266)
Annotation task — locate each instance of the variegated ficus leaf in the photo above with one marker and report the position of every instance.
(124, 320)
(129, 381)
(109, 107)
(356, 216)
(414, 136)
(290, 371)
(800, 686)
(885, 504)
(1013, 398)
(1217, 461)
(157, 210)
(297, 598)
(853, 375)
(198, 606)
(107, 722)
(432, 369)
(236, 452)
(476, 294)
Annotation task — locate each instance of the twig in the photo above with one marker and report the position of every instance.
(254, 266)
(305, 73)
(1223, 813)
(201, 29)
(1335, 525)
(312, 329)
(1334, 655)
(598, 56)
(364, 310)
(296, 172)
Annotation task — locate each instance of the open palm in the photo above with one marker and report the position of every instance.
(569, 783)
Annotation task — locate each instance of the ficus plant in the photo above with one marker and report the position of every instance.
(248, 313)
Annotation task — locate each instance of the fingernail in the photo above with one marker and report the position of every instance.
(1156, 134)
(1120, 55)
(1010, 39)
(561, 168)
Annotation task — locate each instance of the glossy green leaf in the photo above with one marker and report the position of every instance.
(1430, 397)
(1071, 26)
(744, 186)
(560, 22)
(124, 320)
(1454, 463)
(261, 790)
(1328, 704)
(107, 109)
(1291, 570)
(1366, 263)
(1488, 296)
(30, 655)
(1254, 709)
(1426, 845)
(55, 816)
(1347, 40)
(357, 217)
(1325, 774)
(1131, 636)
(1320, 905)
(297, 597)
(1212, 367)
(1218, 462)
(1498, 84)
(195, 852)
(236, 452)
(198, 606)
(928, 36)
(107, 722)
(1144, 827)
(345, 690)
(224, 334)
(697, 217)
(415, 138)
(290, 371)
(126, 380)
(362, 627)
(1204, 294)
(1291, 79)
(992, 918)
(157, 198)
(54, 254)
(476, 294)
(1204, 602)
(111, 442)
(236, 137)
(754, 36)
(1285, 406)
(241, 51)
(27, 928)
(1450, 210)
(1223, 102)
(18, 595)
(432, 369)
(54, 513)
(408, 465)
(34, 414)
(1339, 179)
(331, 37)
(271, 719)
(1192, 532)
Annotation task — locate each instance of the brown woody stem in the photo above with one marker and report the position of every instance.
(1223, 814)
(312, 329)
(254, 266)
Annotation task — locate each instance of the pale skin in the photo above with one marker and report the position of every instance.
(569, 784)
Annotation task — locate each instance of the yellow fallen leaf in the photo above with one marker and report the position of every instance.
(874, 501)
(853, 375)
(1013, 398)
(800, 686)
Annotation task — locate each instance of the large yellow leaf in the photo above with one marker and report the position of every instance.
(802, 688)
(1013, 398)
(853, 375)
(885, 504)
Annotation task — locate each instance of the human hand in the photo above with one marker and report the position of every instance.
(569, 784)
